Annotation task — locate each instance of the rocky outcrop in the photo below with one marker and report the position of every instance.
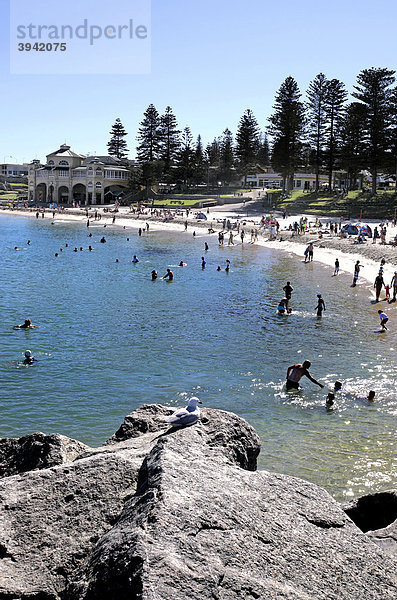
(158, 513)
(36, 451)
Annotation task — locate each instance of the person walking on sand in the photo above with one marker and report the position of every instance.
(383, 320)
(336, 271)
(320, 305)
(295, 374)
(378, 285)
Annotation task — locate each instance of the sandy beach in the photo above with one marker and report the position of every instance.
(327, 247)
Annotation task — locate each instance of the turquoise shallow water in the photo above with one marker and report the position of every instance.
(111, 339)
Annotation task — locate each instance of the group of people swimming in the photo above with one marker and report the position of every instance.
(297, 371)
(29, 359)
(284, 308)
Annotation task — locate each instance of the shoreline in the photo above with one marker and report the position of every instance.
(326, 249)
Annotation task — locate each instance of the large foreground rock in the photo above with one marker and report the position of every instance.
(155, 514)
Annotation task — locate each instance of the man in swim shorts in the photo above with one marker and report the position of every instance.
(296, 372)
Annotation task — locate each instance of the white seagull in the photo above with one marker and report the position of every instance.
(184, 417)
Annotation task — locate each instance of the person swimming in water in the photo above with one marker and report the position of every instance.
(135, 260)
(329, 402)
(169, 275)
(296, 372)
(154, 275)
(27, 325)
(29, 358)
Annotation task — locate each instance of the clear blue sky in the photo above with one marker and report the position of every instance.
(211, 59)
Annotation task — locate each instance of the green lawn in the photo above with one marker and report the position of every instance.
(9, 196)
(383, 204)
(21, 186)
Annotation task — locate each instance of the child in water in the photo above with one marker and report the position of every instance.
(330, 400)
(383, 320)
(283, 307)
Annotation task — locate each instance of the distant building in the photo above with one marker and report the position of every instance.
(69, 177)
(13, 170)
(271, 180)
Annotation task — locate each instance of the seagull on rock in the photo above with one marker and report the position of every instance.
(184, 417)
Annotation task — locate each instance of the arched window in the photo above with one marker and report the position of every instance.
(90, 170)
(63, 163)
(98, 184)
(50, 162)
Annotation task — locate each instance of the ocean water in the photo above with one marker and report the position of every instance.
(112, 339)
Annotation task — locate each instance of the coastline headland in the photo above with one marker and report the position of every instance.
(163, 513)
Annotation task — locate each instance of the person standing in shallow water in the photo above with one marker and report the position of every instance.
(288, 289)
(378, 285)
(383, 320)
(295, 374)
(357, 268)
(320, 305)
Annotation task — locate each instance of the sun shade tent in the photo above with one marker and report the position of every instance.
(350, 229)
(202, 216)
(364, 229)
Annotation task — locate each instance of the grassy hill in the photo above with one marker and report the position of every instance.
(380, 205)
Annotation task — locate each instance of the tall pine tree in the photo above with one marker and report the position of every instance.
(264, 152)
(317, 119)
(169, 139)
(287, 125)
(352, 147)
(334, 109)
(226, 156)
(149, 136)
(373, 89)
(185, 159)
(199, 162)
(247, 143)
(117, 146)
